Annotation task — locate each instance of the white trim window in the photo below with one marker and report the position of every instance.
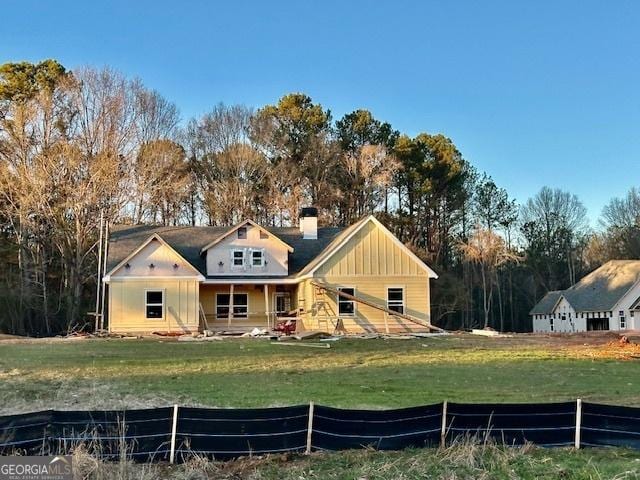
(237, 258)
(622, 319)
(551, 323)
(395, 299)
(346, 307)
(154, 304)
(240, 307)
(257, 258)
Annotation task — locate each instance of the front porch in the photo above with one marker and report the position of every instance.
(245, 306)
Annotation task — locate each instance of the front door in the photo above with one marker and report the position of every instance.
(282, 302)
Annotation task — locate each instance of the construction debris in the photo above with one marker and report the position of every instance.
(490, 333)
(430, 335)
(256, 332)
(307, 334)
(199, 338)
(169, 334)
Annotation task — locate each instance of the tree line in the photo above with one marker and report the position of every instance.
(78, 145)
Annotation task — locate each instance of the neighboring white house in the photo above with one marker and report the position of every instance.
(606, 299)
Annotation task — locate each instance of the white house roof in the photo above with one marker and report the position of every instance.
(599, 291)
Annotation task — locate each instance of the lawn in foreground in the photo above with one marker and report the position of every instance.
(463, 461)
(354, 373)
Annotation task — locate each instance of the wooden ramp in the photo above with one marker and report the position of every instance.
(382, 308)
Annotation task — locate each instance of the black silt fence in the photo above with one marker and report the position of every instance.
(28, 433)
(337, 429)
(545, 424)
(139, 434)
(174, 433)
(609, 425)
(229, 433)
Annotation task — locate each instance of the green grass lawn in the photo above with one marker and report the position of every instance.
(117, 373)
(354, 373)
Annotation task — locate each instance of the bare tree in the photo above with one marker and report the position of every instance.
(554, 225)
(234, 180)
(162, 182)
(622, 212)
(367, 173)
(488, 251)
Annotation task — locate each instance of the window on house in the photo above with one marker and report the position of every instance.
(623, 320)
(237, 258)
(631, 313)
(346, 306)
(551, 324)
(395, 299)
(257, 258)
(242, 232)
(222, 305)
(154, 304)
(240, 307)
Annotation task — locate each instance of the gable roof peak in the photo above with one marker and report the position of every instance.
(244, 223)
(154, 237)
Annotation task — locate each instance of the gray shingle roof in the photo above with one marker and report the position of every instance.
(599, 291)
(604, 287)
(546, 304)
(188, 241)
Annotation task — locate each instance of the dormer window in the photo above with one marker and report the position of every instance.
(237, 258)
(242, 233)
(257, 258)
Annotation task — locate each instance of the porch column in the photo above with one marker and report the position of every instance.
(230, 305)
(266, 304)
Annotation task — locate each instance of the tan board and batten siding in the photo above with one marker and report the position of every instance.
(128, 285)
(127, 306)
(371, 261)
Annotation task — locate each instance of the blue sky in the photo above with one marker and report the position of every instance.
(534, 93)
